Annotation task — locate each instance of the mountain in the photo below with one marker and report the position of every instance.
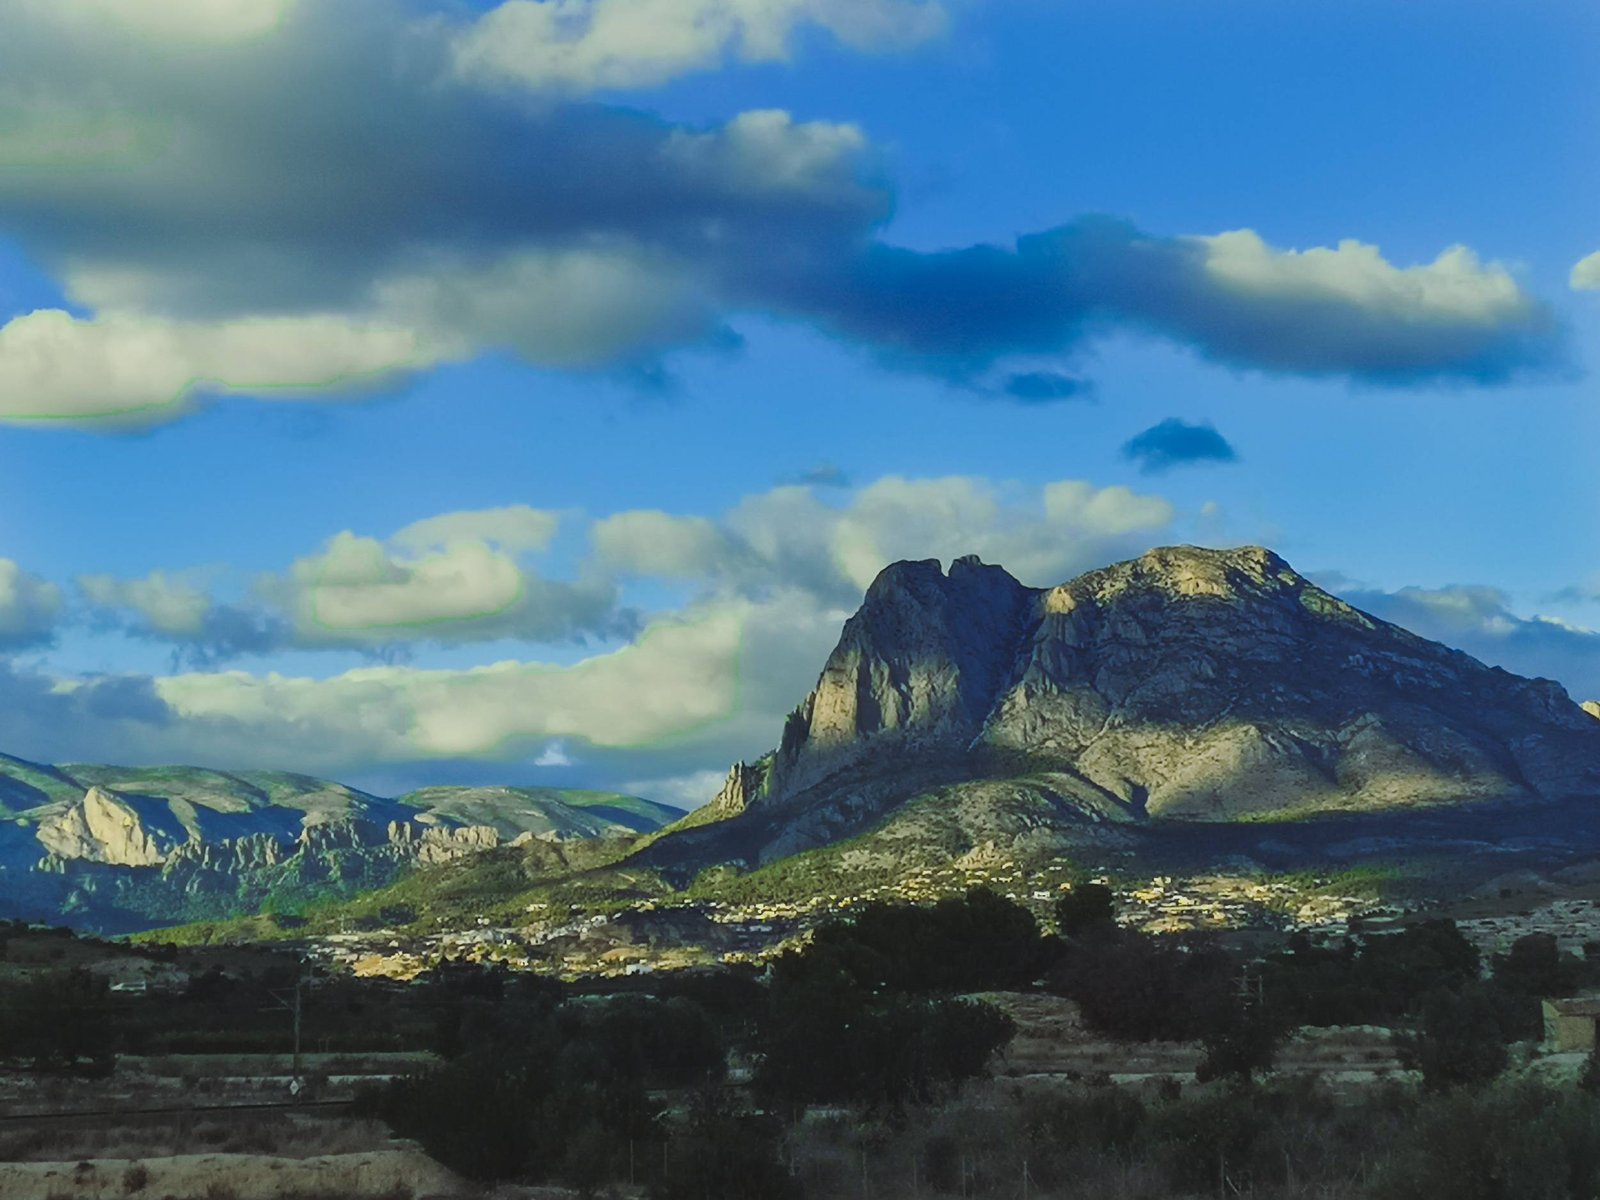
(121, 848)
(1186, 687)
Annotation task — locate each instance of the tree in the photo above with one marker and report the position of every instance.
(828, 1037)
(1086, 907)
(1144, 988)
(1457, 1041)
(61, 1021)
(1536, 967)
(1240, 1045)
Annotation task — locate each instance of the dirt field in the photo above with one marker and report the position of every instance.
(391, 1174)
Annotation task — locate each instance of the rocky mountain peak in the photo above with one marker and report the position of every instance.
(1186, 682)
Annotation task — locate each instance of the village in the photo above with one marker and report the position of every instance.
(662, 935)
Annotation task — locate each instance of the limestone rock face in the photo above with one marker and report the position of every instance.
(1205, 683)
(1592, 707)
(744, 784)
(916, 669)
(103, 828)
(1186, 683)
(436, 844)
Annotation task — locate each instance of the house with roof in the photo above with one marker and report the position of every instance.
(1569, 1023)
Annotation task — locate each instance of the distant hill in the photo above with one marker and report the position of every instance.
(122, 848)
(963, 713)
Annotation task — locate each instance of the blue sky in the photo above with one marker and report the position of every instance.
(526, 391)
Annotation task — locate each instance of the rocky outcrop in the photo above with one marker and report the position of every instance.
(1592, 707)
(103, 828)
(1184, 684)
(745, 783)
(434, 844)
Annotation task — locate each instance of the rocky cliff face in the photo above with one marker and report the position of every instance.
(1184, 684)
(103, 828)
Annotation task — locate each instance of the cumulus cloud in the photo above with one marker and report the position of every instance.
(1585, 275)
(96, 719)
(57, 367)
(582, 45)
(451, 579)
(361, 589)
(30, 608)
(701, 686)
(516, 527)
(319, 200)
(680, 674)
(1232, 297)
(178, 608)
(790, 538)
(172, 22)
(1480, 620)
(1175, 443)
(651, 542)
(773, 579)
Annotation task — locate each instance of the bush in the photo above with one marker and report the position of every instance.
(1509, 1143)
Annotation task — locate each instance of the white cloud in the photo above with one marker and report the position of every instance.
(678, 675)
(1585, 275)
(767, 150)
(563, 308)
(30, 607)
(58, 367)
(186, 204)
(453, 578)
(514, 528)
(1454, 287)
(1349, 310)
(789, 538)
(172, 23)
(778, 575)
(687, 791)
(357, 584)
(553, 755)
(166, 604)
(1042, 535)
(583, 45)
(571, 308)
(652, 542)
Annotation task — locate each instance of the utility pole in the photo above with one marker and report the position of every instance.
(292, 1002)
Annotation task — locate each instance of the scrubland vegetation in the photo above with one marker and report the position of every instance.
(866, 1062)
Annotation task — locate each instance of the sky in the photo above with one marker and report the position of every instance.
(409, 391)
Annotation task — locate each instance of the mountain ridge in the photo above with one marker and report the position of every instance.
(120, 848)
(1184, 685)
